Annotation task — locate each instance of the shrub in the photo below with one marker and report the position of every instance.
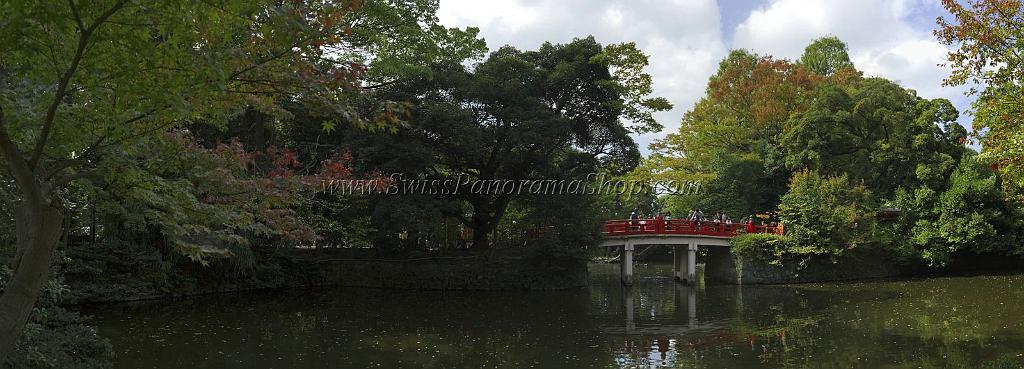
(770, 248)
(57, 338)
(827, 214)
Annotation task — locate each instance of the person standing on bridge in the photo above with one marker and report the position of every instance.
(632, 220)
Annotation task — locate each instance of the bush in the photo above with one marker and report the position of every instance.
(827, 214)
(770, 248)
(57, 338)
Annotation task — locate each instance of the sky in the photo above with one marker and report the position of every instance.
(685, 39)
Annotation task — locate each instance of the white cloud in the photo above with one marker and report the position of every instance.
(913, 62)
(500, 16)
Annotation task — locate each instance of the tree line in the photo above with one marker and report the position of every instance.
(185, 137)
(183, 134)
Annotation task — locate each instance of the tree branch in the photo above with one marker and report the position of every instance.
(78, 17)
(62, 86)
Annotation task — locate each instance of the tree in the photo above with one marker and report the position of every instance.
(81, 82)
(826, 56)
(729, 141)
(987, 35)
(555, 113)
(874, 131)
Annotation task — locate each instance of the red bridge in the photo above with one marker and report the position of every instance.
(658, 226)
(684, 235)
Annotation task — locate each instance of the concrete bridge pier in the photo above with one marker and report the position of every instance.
(691, 306)
(684, 262)
(626, 263)
(627, 307)
(684, 258)
(684, 235)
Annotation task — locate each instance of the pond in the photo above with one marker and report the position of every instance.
(956, 322)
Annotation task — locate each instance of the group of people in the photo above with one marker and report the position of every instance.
(720, 217)
(700, 218)
(697, 215)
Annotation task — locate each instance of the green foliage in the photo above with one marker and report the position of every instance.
(554, 113)
(997, 124)
(873, 131)
(201, 202)
(828, 214)
(627, 64)
(826, 56)
(400, 40)
(729, 141)
(969, 212)
(770, 248)
(847, 146)
(56, 338)
(987, 57)
(742, 188)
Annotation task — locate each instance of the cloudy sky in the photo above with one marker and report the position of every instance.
(685, 39)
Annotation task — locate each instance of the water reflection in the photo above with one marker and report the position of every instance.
(939, 323)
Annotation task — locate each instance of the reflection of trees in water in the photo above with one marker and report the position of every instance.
(358, 328)
(954, 323)
(957, 323)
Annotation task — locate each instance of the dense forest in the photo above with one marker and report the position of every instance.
(146, 154)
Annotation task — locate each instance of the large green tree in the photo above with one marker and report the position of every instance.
(555, 113)
(729, 141)
(874, 130)
(83, 82)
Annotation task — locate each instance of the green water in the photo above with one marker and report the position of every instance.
(963, 322)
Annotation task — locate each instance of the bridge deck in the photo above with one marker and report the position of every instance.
(682, 227)
(677, 232)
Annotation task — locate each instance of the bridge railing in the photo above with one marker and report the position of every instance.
(626, 227)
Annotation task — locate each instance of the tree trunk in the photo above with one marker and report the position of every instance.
(38, 231)
(485, 221)
(480, 241)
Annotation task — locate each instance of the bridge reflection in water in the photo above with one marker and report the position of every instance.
(899, 324)
(658, 323)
